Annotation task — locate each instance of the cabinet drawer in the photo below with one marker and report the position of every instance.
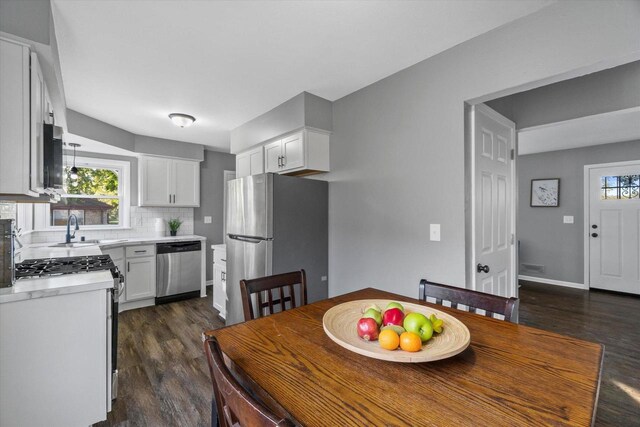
(142, 250)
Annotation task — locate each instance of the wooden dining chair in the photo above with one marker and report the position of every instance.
(473, 300)
(234, 405)
(263, 289)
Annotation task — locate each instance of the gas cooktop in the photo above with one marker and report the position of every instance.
(44, 267)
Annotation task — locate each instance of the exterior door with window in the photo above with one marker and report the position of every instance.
(614, 228)
(493, 256)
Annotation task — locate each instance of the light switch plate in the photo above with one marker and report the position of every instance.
(568, 219)
(434, 232)
(207, 220)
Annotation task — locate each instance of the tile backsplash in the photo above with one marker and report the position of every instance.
(143, 224)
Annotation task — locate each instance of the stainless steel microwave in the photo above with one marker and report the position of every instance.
(52, 173)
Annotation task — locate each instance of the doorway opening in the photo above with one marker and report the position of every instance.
(560, 128)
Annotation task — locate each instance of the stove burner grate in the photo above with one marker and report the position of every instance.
(57, 266)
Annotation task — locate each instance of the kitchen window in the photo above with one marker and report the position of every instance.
(98, 197)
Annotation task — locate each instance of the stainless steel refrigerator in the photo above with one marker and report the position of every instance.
(275, 224)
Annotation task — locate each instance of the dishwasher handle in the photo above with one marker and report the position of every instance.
(167, 248)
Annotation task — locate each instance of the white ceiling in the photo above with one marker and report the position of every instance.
(132, 62)
(606, 128)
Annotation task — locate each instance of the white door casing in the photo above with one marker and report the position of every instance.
(493, 203)
(612, 229)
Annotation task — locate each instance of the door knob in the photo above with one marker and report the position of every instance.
(594, 234)
(594, 226)
(482, 268)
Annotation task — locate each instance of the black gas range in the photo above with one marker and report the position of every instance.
(45, 267)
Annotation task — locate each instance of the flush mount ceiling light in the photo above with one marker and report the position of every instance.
(182, 120)
(74, 170)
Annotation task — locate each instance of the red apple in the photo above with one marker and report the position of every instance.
(392, 316)
(368, 329)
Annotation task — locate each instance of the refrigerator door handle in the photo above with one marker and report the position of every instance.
(247, 239)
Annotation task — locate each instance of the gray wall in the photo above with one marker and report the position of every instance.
(88, 127)
(304, 109)
(609, 90)
(26, 19)
(212, 200)
(397, 148)
(168, 147)
(544, 239)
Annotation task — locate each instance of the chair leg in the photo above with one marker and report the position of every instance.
(215, 422)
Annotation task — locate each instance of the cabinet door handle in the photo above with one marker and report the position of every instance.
(128, 266)
(174, 198)
(279, 158)
(143, 251)
(284, 161)
(169, 198)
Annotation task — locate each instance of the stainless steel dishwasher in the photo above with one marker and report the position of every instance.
(178, 271)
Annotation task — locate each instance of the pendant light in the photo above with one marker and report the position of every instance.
(74, 169)
(182, 120)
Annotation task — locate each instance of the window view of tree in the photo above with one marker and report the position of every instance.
(93, 197)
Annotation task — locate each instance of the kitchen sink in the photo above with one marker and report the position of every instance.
(84, 243)
(72, 245)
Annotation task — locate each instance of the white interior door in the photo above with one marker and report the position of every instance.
(614, 228)
(493, 253)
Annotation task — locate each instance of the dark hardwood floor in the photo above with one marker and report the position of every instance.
(604, 317)
(163, 373)
(164, 378)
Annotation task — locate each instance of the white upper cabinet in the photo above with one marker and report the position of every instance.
(15, 119)
(302, 153)
(250, 162)
(186, 181)
(38, 90)
(168, 182)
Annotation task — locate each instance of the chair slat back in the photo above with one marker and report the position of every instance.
(264, 287)
(236, 407)
(473, 300)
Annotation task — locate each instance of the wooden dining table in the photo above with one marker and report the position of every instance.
(509, 375)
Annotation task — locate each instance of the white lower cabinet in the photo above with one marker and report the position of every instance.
(55, 360)
(220, 279)
(141, 278)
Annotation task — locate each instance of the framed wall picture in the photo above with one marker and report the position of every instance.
(545, 192)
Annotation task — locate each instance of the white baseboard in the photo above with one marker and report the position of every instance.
(553, 282)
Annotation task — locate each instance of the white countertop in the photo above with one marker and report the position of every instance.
(71, 283)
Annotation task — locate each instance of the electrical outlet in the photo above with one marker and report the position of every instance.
(207, 220)
(434, 232)
(323, 278)
(567, 219)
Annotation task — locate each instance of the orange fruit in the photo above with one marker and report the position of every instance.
(389, 339)
(410, 341)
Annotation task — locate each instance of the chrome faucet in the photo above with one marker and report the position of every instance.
(70, 236)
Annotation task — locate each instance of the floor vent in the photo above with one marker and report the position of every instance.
(532, 267)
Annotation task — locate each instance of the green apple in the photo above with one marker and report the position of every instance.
(419, 324)
(373, 314)
(376, 307)
(394, 304)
